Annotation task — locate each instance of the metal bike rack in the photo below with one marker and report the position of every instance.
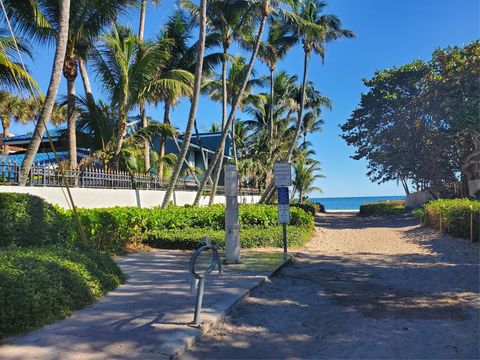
(198, 278)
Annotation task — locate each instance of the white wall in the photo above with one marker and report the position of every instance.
(96, 198)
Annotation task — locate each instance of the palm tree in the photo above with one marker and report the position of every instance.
(21, 14)
(13, 76)
(194, 104)
(234, 81)
(314, 30)
(228, 21)
(143, 113)
(274, 49)
(128, 74)
(264, 9)
(87, 19)
(304, 177)
(97, 132)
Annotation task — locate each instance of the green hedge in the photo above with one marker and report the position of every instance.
(389, 207)
(251, 237)
(112, 229)
(310, 206)
(453, 216)
(40, 285)
(28, 220)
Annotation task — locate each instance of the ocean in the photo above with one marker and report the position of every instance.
(351, 203)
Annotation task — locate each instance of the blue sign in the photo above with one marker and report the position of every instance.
(282, 193)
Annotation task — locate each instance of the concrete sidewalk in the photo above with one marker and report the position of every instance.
(147, 317)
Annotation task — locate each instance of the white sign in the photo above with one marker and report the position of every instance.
(284, 213)
(283, 174)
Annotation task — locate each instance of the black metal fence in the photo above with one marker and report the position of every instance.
(48, 175)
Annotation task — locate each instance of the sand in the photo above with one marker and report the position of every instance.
(370, 288)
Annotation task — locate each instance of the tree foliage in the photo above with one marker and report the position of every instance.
(418, 123)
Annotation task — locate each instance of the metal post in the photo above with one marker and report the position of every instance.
(198, 303)
(284, 238)
(232, 224)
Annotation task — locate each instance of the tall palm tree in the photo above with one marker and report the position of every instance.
(143, 113)
(264, 9)
(87, 20)
(227, 20)
(274, 49)
(314, 30)
(235, 77)
(202, 20)
(22, 13)
(129, 74)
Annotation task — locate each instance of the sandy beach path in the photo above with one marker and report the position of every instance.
(379, 288)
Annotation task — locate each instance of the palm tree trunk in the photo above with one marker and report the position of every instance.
(300, 111)
(166, 120)
(204, 160)
(193, 108)
(52, 91)
(224, 119)
(268, 193)
(6, 128)
(121, 131)
(146, 143)
(271, 102)
(234, 145)
(143, 113)
(141, 26)
(72, 128)
(85, 79)
(239, 96)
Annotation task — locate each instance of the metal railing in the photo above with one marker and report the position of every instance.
(43, 174)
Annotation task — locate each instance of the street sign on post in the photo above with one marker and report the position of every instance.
(283, 179)
(283, 174)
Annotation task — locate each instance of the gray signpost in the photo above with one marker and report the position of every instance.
(232, 224)
(283, 179)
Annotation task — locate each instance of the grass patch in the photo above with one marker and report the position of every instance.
(389, 207)
(40, 285)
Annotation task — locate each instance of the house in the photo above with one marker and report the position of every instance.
(204, 142)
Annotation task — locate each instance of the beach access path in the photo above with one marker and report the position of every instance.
(363, 288)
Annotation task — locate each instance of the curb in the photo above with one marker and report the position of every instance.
(205, 328)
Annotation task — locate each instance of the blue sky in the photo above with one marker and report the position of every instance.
(390, 33)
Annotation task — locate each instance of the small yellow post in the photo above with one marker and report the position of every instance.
(471, 223)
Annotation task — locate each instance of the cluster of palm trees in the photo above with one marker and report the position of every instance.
(176, 66)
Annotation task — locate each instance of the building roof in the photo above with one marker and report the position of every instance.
(43, 157)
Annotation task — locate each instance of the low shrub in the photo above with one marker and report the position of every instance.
(40, 285)
(252, 237)
(113, 229)
(28, 220)
(389, 207)
(310, 206)
(454, 216)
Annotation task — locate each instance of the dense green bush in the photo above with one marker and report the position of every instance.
(454, 216)
(389, 207)
(111, 229)
(310, 207)
(28, 220)
(40, 285)
(251, 237)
